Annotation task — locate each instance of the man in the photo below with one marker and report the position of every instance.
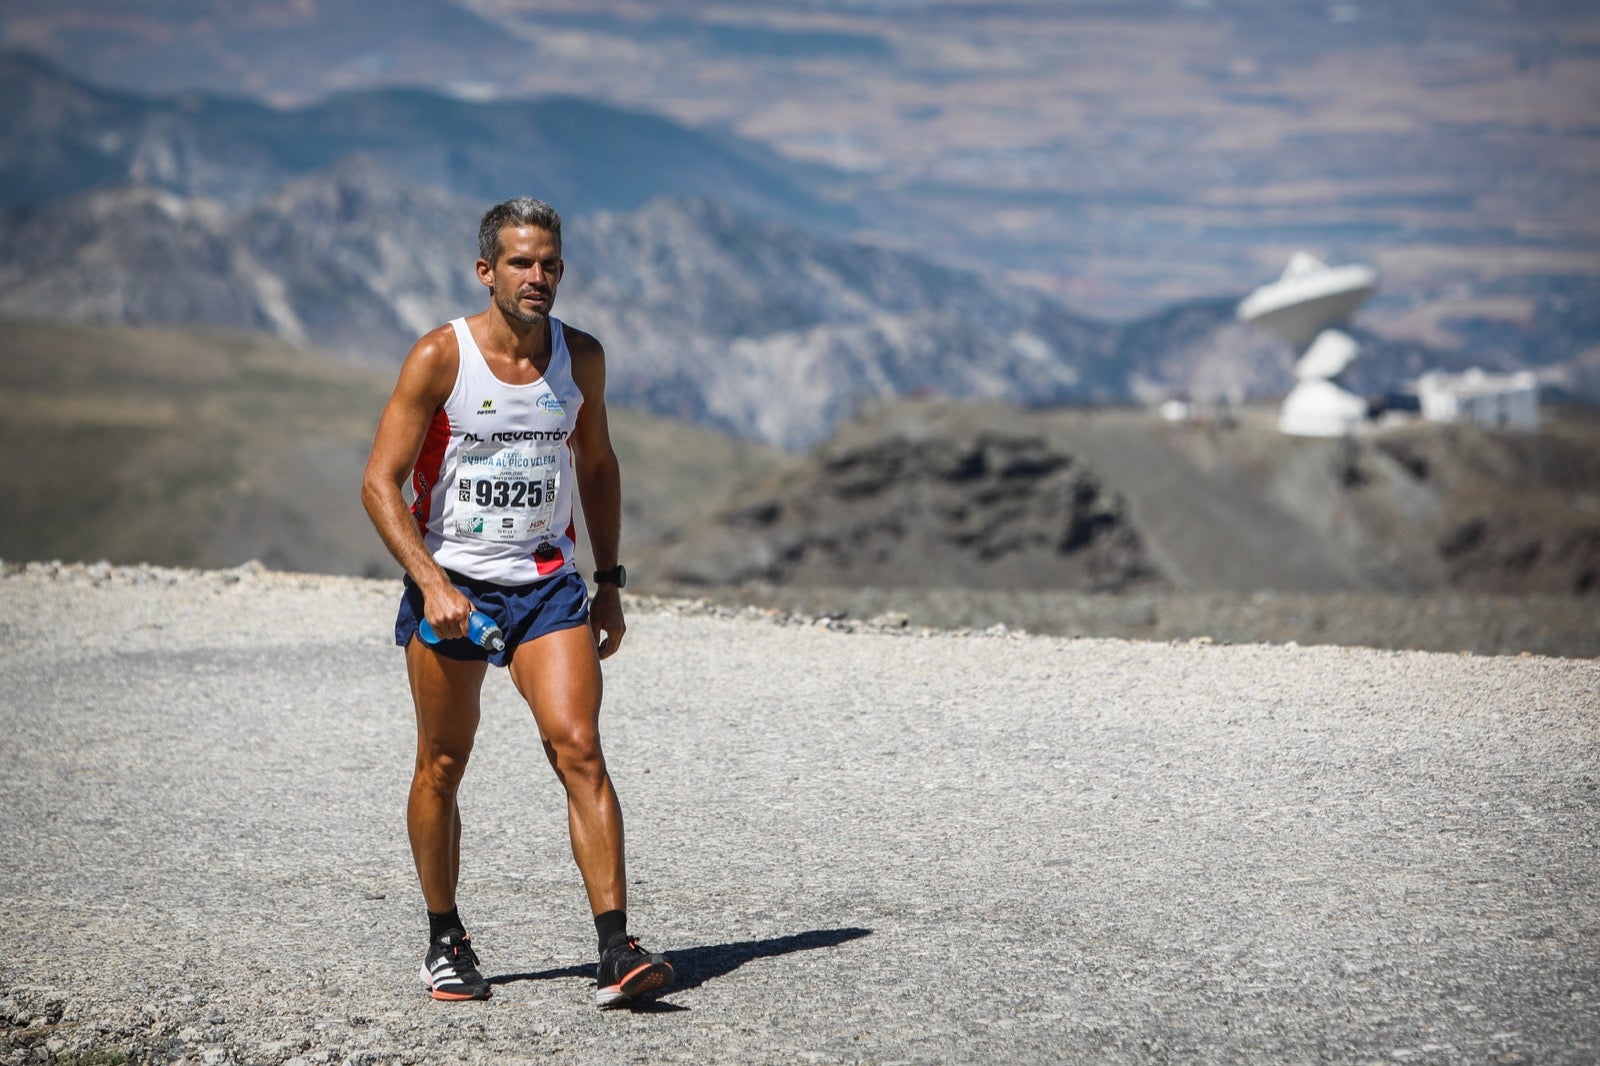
(497, 418)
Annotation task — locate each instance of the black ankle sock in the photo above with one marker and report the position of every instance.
(440, 924)
(609, 925)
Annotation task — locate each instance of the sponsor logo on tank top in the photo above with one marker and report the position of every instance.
(512, 436)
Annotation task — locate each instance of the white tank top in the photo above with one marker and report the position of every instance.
(494, 480)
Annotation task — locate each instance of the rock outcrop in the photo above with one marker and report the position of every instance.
(943, 502)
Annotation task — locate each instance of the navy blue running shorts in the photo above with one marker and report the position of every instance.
(523, 612)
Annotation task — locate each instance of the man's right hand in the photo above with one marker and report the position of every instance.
(447, 611)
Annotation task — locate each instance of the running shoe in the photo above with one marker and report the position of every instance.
(627, 971)
(451, 969)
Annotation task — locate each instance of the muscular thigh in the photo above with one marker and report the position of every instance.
(446, 695)
(559, 675)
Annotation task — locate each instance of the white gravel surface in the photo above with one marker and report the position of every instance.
(858, 844)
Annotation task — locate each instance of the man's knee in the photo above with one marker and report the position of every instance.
(440, 771)
(575, 752)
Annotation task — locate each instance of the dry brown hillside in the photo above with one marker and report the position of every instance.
(210, 448)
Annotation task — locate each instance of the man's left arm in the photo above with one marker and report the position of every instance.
(599, 485)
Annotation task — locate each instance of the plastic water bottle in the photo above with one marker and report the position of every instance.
(481, 630)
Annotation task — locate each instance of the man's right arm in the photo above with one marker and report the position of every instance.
(426, 378)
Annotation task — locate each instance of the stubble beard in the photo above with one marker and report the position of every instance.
(512, 308)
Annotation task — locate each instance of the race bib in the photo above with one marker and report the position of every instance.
(507, 492)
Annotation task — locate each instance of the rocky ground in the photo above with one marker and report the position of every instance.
(860, 840)
(1566, 626)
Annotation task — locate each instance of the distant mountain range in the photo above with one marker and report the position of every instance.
(755, 327)
(60, 136)
(350, 225)
(1122, 155)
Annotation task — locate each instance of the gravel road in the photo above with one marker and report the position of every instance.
(858, 845)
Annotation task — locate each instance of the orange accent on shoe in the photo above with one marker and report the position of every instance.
(653, 978)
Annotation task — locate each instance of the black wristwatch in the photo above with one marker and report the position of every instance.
(617, 575)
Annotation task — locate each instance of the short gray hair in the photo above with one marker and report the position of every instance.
(522, 211)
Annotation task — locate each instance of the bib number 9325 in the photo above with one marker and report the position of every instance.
(507, 493)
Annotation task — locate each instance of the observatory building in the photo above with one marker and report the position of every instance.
(1495, 401)
(1304, 307)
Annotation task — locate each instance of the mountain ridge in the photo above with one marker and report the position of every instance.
(70, 137)
(720, 307)
(711, 316)
(1121, 155)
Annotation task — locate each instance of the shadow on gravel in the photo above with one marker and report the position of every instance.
(696, 966)
(545, 975)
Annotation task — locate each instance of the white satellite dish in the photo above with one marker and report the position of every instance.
(1309, 297)
(1304, 303)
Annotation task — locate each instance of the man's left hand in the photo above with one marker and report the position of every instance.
(605, 618)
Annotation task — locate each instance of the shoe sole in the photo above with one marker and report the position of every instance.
(448, 997)
(650, 978)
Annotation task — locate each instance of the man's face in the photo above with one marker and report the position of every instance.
(523, 279)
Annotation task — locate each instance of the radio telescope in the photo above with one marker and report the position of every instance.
(1303, 307)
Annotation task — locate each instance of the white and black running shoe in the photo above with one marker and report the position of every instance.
(451, 969)
(627, 971)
